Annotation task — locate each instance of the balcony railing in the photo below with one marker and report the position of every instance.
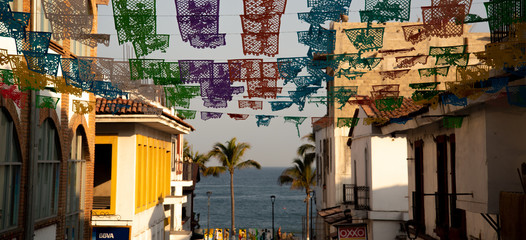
(357, 196)
(190, 173)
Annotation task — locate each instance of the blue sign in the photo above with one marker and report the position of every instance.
(105, 233)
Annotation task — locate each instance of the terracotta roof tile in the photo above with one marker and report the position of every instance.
(408, 106)
(121, 106)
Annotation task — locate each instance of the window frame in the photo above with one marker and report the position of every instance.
(48, 131)
(14, 204)
(113, 140)
(77, 159)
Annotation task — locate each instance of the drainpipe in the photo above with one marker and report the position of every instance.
(32, 168)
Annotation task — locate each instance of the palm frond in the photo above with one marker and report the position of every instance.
(214, 171)
(248, 164)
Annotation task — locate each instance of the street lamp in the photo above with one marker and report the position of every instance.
(209, 193)
(272, 199)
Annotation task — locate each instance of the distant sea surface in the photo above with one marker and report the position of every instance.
(253, 207)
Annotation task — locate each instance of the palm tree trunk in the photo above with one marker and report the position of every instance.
(232, 230)
(307, 217)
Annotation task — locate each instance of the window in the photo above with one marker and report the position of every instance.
(105, 177)
(442, 197)
(418, 194)
(10, 164)
(152, 182)
(75, 188)
(48, 167)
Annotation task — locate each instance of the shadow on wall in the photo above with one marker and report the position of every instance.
(394, 198)
(156, 222)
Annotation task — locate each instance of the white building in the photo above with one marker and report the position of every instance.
(138, 183)
(459, 176)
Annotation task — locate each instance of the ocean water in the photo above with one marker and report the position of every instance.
(253, 207)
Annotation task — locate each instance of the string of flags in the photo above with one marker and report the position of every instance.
(34, 68)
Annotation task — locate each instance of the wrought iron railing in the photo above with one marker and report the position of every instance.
(358, 196)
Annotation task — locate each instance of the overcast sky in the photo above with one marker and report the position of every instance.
(276, 144)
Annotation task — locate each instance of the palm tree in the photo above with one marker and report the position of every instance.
(301, 176)
(195, 157)
(307, 147)
(230, 155)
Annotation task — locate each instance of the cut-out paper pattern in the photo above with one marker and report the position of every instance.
(319, 39)
(255, 105)
(322, 122)
(264, 120)
(46, 102)
(299, 96)
(83, 107)
(424, 86)
(494, 85)
(194, 71)
(375, 121)
(385, 91)
(264, 7)
(136, 22)
(388, 103)
(11, 22)
(502, 13)
(393, 74)
(427, 72)
(452, 99)
(210, 115)
(260, 43)
(199, 20)
(410, 61)
(180, 95)
(366, 39)
(452, 121)
(12, 92)
(400, 120)
(33, 42)
(25, 78)
(237, 116)
(280, 105)
(464, 89)
(349, 74)
(43, 63)
(72, 20)
(296, 120)
(289, 68)
(415, 33)
(386, 10)
(318, 100)
(459, 60)
(145, 68)
(186, 114)
(423, 97)
(472, 73)
(434, 51)
(7, 77)
(322, 13)
(341, 94)
(261, 23)
(347, 122)
(445, 19)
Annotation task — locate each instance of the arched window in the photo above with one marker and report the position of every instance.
(76, 186)
(10, 164)
(48, 171)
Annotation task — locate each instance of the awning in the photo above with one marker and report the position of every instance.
(335, 215)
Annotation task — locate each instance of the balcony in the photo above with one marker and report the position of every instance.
(357, 196)
(190, 173)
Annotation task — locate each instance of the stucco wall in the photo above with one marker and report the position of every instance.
(472, 167)
(389, 174)
(506, 138)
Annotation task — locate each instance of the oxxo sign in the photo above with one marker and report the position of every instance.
(352, 232)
